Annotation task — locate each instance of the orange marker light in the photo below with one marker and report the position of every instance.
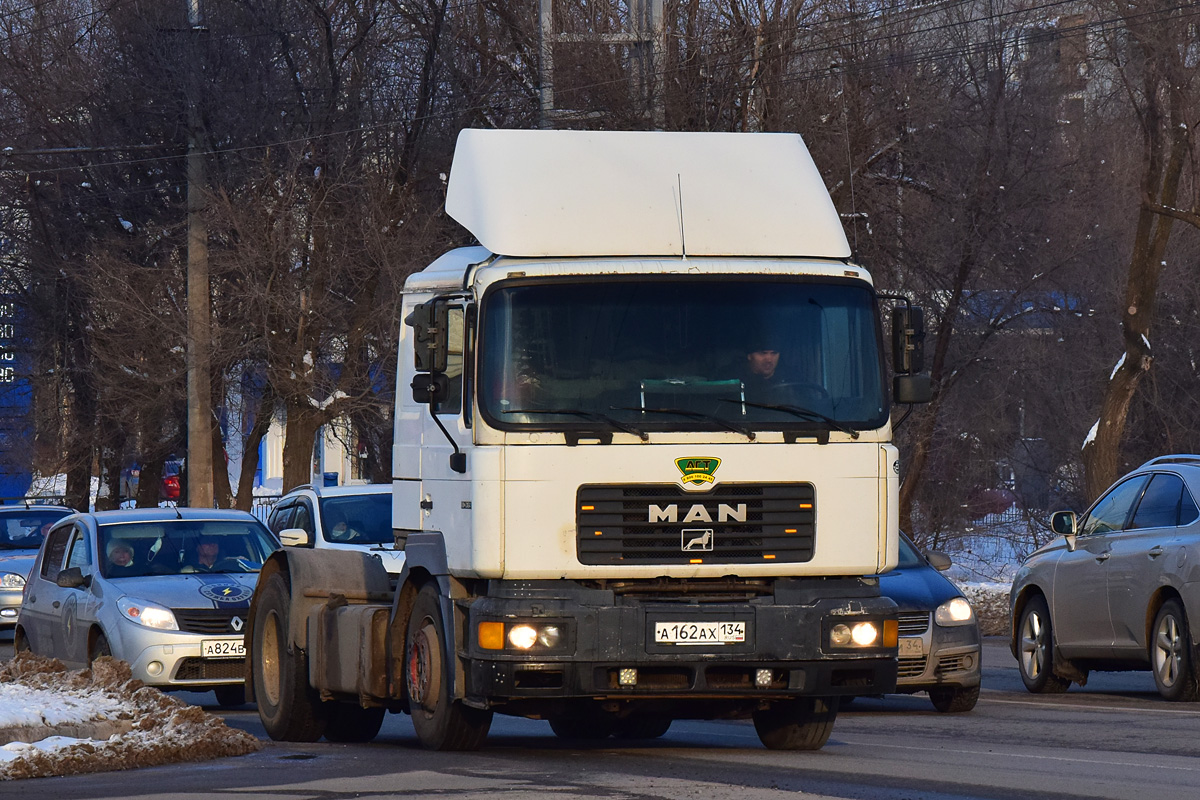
(599, 533)
(587, 508)
(491, 635)
(806, 506)
(891, 633)
(696, 561)
(768, 555)
(789, 530)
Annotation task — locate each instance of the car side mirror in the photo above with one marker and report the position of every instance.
(294, 537)
(73, 578)
(908, 339)
(938, 560)
(1063, 522)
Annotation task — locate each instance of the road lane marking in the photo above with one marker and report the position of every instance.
(1077, 707)
(1018, 754)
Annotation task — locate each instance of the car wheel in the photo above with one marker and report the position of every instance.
(230, 696)
(1171, 653)
(954, 699)
(99, 647)
(352, 723)
(289, 709)
(1035, 656)
(21, 642)
(803, 724)
(650, 727)
(441, 722)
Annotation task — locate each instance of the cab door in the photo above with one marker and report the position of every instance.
(40, 610)
(445, 493)
(1079, 606)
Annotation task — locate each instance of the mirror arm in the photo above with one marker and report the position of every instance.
(458, 460)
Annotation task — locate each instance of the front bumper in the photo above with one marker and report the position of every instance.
(950, 656)
(174, 660)
(607, 637)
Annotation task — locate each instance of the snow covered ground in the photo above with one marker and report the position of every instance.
(115, 722)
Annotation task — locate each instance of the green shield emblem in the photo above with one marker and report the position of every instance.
(698, 471)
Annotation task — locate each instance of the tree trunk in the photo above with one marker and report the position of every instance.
(222, 491)
(262, 423)
(303, 422)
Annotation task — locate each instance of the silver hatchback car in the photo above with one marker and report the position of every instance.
(1118, 590)
(167, 590)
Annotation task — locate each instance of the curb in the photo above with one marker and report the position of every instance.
(99, 730)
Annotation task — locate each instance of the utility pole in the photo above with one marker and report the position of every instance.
(199, 298)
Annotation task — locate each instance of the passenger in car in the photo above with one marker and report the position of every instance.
(120, 560)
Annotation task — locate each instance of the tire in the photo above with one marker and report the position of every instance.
(1035, 655)
(99, 648)
(1171, 654)
(954, 699)
(230, 696)
(441, 722)
(803, 724)
(289, 709)
(591, 728)
(352, 723)
(21, 642)
(642, 727)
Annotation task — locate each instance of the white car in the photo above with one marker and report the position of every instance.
(167, 590)
(339, 518)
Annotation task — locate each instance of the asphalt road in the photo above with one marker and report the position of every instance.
(1113, 739)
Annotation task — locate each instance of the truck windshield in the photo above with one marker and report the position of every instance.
(682, 354)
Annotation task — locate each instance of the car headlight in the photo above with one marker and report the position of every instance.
(955, 611)
(148, 614)
(521, 636)
(11, 580)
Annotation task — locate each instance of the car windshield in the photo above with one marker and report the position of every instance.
(682, 354)
(27, 529)
(181, 547)
(358, 519)
(909, 557)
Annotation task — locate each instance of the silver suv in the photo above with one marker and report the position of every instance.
(1118, 589)
(339, 518)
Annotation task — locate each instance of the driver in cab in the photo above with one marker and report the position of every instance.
(208, 553)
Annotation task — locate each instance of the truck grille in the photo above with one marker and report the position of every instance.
(662, 524)
(212, 621)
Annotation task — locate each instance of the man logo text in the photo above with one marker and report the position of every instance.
(697, 513)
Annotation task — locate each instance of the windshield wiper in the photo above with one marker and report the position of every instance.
(798, 411)
(683, 412)
(595, 416)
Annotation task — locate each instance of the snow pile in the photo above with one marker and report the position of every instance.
(153, 728)
(990, 602)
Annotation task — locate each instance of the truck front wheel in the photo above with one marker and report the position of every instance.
(290, 710)
(441, 722)
(803, 724)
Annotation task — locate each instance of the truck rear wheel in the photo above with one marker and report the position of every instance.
(803, 724)
(441, 722)
(350, 722)
(290, 710)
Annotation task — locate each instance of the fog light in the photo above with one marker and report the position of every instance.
(522, 637)
(969, 662)
(549, 636)
(839, 636)
(8, 612)
(627, 676)
(864, 634)
(154, 668)
(763, 678)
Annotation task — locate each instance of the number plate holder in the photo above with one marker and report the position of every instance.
(223, 648)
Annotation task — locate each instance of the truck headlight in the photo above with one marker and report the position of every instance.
(150, 615)
(955, 611)
(520, 635)
(11, 580)
(867, 633)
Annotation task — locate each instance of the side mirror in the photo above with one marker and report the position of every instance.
(294, 537)
(908, 339)
(938, 560)
(430, 387)
(1063, 522)
(73, 578)
(912, 389)
(430, 340)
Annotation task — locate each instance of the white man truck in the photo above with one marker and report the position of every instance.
(643, 467)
